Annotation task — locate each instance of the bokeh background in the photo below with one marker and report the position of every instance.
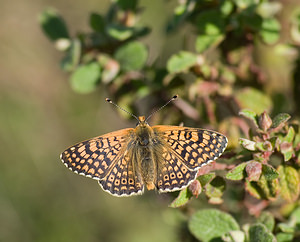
(40, 116)
(41, 200)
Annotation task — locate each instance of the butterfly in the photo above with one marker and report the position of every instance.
(162, 157)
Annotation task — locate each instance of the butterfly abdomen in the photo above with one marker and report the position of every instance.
(144, 154)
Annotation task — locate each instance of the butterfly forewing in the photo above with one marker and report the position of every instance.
(95, 157)
(196, 147)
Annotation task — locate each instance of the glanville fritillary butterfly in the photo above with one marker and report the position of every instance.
(162, 157)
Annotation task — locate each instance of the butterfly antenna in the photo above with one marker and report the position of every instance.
(110, 101)
(172, 99)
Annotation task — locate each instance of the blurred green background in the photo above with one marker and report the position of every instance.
(40, 199)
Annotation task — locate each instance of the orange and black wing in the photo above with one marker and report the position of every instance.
(196, 147)
(183, 151)
(106, 158)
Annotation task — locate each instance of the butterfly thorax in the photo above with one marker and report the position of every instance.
(143, 132)
(144, 152)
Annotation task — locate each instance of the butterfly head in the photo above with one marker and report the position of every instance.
(143, 131)
(142, 121)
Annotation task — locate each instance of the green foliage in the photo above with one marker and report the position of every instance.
(259, 232)
(270, 31)
(289, 182)
(183, 197)
(132, 56)
(267, 219)
(72, 58)
(223, 86)
(237, 173)
(53, 25)
(253, 99)
(181, 62)
(85, 78)
(210, 224)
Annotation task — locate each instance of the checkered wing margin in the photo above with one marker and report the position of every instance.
(195, 147)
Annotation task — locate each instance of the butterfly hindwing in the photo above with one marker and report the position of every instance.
(123, 179)
(172, 173)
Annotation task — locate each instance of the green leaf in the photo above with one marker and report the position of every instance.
(97, 22)
(264, 146)
(183, 197)
(289, 183)
(269, 172)
(253, 99)
(259, 233)
(53, 24)
(243, 4)
(210, 22)
(132, 56)
(237, 173)
(127, 5)
(286, 148)
(209, 224)
(206, 178)
(251, 20)
(287, 154)
(204, 42)
(284, 237)
(269, 187)
(72, 58)
(234, 236)
(280, 120)
(181, 62)
(249, 114)
(216, 187)
(181, 13)
(295, 216)
(297, 139)
(140, 31)
(286, 228)
(290, 135)
(86, 78)
(263, 189)
(273, 141)
(119, 32)
(226, 7)
(267, 219)
(270, 31)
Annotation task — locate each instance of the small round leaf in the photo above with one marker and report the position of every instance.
(132, 56)
(181, 62)
(210, 224)
(53, 24)
(85, 78)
